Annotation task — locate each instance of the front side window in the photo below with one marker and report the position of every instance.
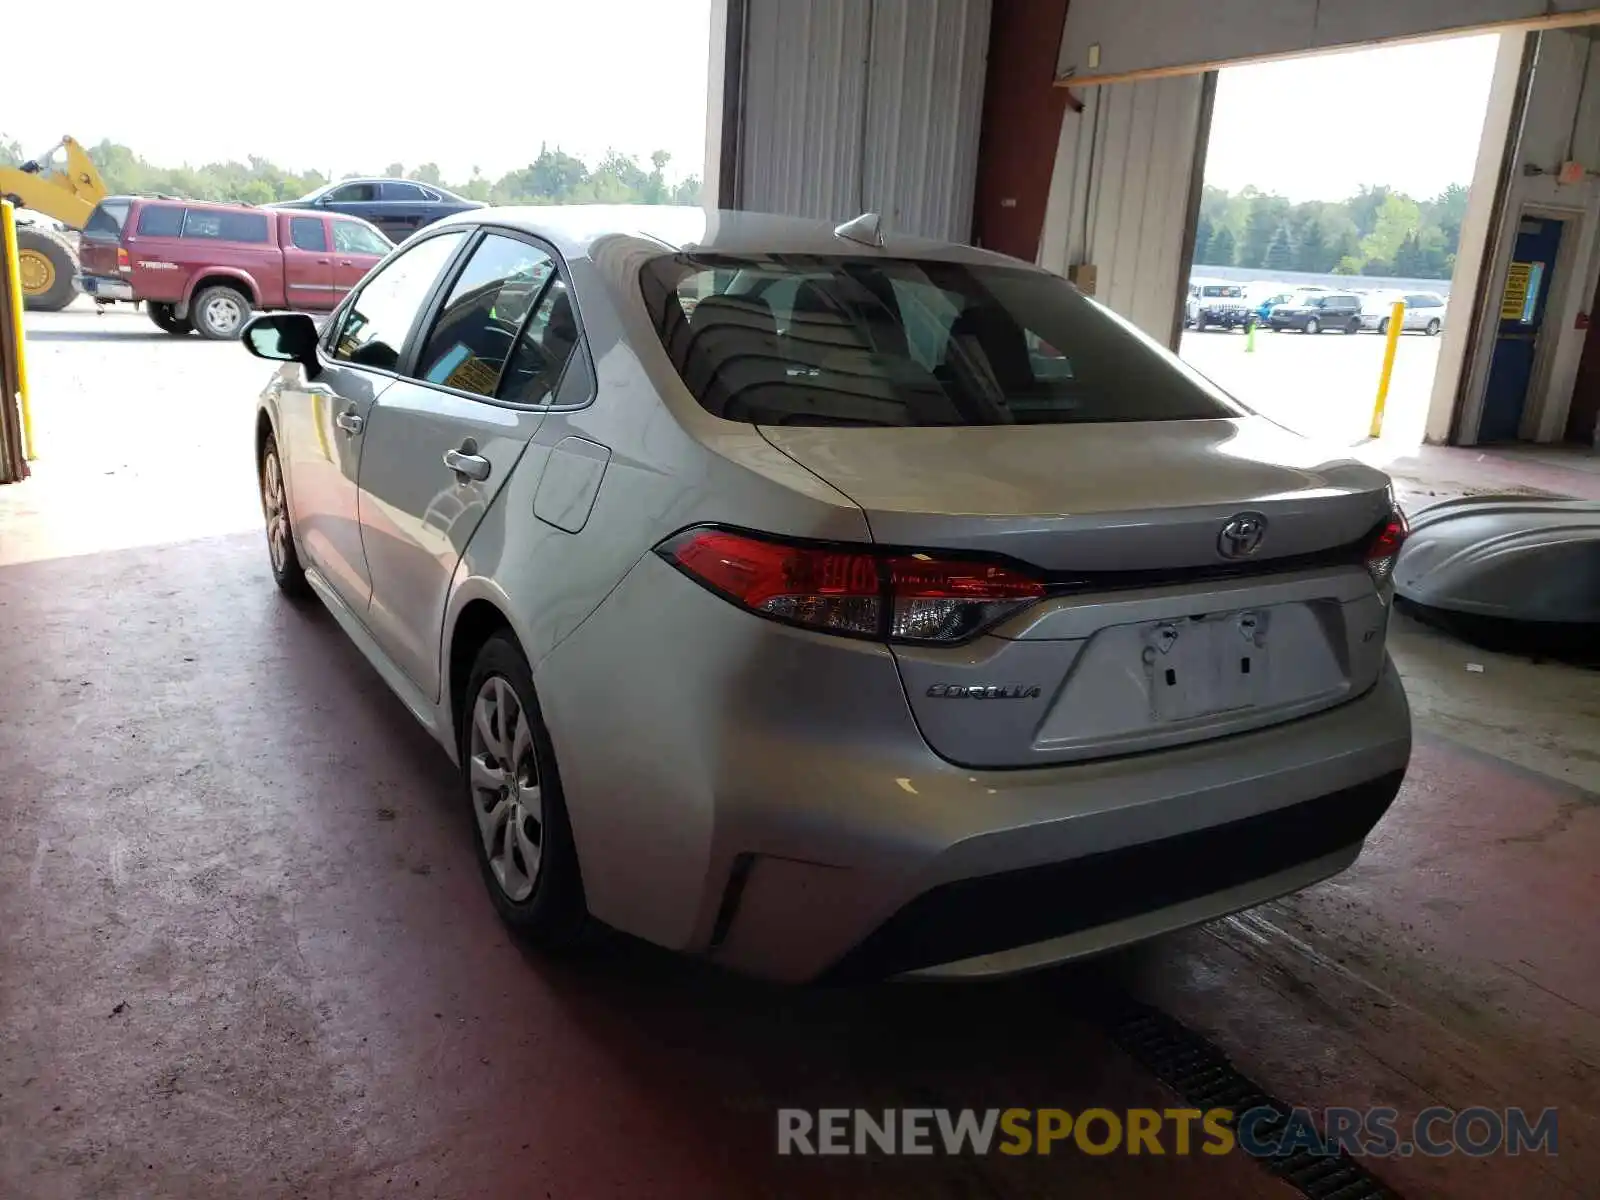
(473, 336)
(352, 237)
(373, 330)
(816, 340)
(160, 220)
(225, 226)
(354, 193)
(308, 233)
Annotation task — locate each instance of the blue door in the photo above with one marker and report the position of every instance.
(1521, 314)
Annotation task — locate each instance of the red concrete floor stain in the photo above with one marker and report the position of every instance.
(246, 953)
(1457, 963)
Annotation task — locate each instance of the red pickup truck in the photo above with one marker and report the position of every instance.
(206, 267)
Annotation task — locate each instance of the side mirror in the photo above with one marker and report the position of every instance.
(283, 337)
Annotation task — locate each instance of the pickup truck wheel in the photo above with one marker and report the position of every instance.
(219, 313)
(166, 319)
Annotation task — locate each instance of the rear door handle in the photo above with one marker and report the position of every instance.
(350, 422)
(467, 465)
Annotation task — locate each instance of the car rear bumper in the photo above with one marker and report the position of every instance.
(102, 288)
(762, 796)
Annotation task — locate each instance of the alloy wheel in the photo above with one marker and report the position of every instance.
(506, 797)
(222, 314)
(275, 504)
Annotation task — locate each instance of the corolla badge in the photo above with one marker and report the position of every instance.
(1241, 536)
(1007, 691)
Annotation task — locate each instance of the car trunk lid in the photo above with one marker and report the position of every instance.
(1204, 577)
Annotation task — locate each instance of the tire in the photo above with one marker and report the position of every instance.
(1354, 326)
(534, 881)
(1433, 327)
(48, 267)
(1199, 323)
(219, 313)
(1313, 326)
(1383, 327)
(287, 571)
(166, 319)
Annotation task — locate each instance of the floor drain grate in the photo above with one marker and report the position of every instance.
(1202, 1075)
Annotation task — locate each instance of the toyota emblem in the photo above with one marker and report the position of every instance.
(1241, 536)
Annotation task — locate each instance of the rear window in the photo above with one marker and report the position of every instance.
(225, 226)
(160, 220)
(108, 217)
(829, 340)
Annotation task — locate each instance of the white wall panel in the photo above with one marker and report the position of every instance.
(857, 105)
(1119, 195)
(1165, 35)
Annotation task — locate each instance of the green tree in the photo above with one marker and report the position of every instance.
(1267, 215)
(428, 173)
(1348, 265)
(395, 171)
(1220, 251)
(1203, 229)
(1397, 218)
(1311, 248)
(1280, 255)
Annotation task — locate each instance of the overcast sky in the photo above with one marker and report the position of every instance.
(337, 86)
(1319, 128)
(331, 85)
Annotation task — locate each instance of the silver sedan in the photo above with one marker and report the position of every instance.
(828, 604)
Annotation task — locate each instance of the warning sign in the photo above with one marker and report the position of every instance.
(1515, 300)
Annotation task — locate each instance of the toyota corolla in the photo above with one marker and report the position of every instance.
(830, 604)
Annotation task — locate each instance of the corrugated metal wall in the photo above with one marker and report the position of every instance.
(856, 105)
(1121, 192)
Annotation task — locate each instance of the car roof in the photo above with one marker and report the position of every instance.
(578, 229)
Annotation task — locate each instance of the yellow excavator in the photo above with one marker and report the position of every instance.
(66, 188)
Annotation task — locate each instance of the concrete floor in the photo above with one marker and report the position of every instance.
(245, 950)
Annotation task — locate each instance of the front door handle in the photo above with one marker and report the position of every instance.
(467, 464)
(350, 422)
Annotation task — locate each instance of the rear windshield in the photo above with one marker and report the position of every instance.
(826, 340)
(225, 226)
(108, 217)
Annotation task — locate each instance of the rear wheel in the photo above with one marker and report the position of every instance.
(165, 318)
(1383, 326)
(1354, 326)
(1199, 323)
(519, 816)
(1312, 326)
(1433, 327)
(219, 312)
(47, 266)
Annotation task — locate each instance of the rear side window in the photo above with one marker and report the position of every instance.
(403, 191)
(546, 344)
(352, 237)
(475, 330)
(373, 329)
(831, 340)
(308, 233)
(160, 220)
(108, 217)
(225, 226)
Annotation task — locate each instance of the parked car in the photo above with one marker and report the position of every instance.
(898, 611)
(1268, 303)
(1216, 304)
(1424, 311)
(1311, 312)
(399, 207)
(207, 267)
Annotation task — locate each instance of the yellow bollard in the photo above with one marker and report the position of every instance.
(1397, 320)
(13, 282)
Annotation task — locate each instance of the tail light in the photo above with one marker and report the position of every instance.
(854, 591)
(124, 266)
(1384, 548)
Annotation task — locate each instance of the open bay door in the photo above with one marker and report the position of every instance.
(1123, 196)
